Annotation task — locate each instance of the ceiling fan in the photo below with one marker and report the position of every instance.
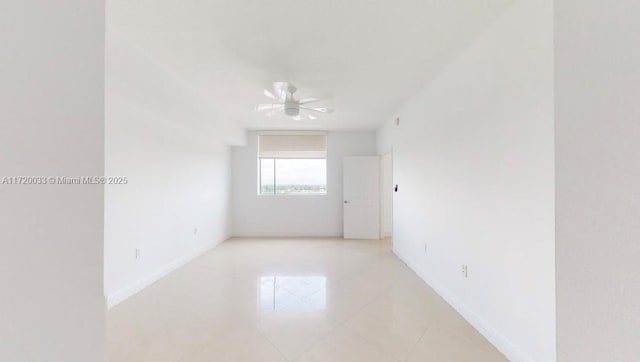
(286, 102)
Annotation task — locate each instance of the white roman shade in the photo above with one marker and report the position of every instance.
(292, 145)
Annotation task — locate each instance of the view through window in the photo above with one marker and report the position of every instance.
(293, 176)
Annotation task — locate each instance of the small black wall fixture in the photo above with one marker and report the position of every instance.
(395, 188)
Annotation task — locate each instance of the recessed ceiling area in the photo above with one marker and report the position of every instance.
(369, 56)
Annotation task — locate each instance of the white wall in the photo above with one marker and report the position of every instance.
(51, 124)
(597, 178)
(178, 174)
(473, 158)
(293, 215)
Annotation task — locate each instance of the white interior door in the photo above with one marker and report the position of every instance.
(361, 197)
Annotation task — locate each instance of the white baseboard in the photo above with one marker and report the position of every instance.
(121, 295)
(286, 235)
(502, 343)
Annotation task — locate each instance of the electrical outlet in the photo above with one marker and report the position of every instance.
(195, 231)
(138, 253)
(465, 270)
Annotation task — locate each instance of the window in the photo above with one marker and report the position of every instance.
(293, 176)
(292, 163)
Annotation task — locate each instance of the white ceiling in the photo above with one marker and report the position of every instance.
(370, 55)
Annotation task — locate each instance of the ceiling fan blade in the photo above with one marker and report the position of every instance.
(309, 100)
(318, 109)
(270, 94)
(314, 99)
(280, 90)
(311, 116)
(269, 106)
(296, 118)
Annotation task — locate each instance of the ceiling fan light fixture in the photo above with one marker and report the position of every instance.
(291, 108)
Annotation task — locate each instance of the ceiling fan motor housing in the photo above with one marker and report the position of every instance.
(291, 108)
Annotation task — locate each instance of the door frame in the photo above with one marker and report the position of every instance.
(382, 193)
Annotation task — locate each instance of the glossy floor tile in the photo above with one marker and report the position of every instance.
(293, 300)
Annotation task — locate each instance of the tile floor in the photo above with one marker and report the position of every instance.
(269, 300)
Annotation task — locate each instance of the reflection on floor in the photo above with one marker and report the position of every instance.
(293, 300)
(287, 293)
